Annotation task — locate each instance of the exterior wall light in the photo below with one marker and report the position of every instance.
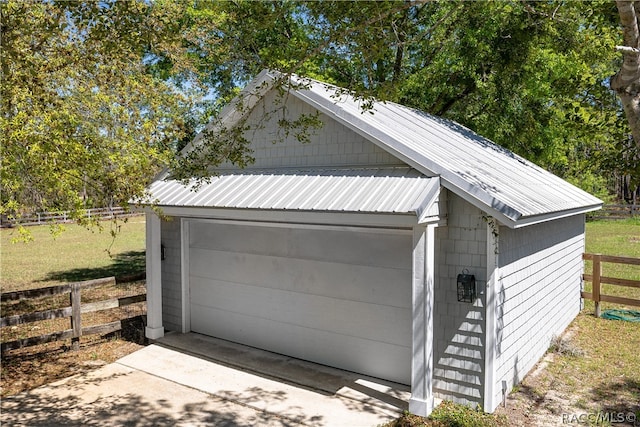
(466, 286)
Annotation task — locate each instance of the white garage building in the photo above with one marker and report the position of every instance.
(346, 250)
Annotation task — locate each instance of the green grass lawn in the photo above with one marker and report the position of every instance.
(75, 254)
(614, 237)
(620, 238)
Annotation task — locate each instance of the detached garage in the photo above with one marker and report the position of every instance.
(349, 250)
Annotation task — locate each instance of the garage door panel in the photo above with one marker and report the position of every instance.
(356, 282)
(368, 357)
(363, 247)
(341, 298)
(346, 317)
(224, 237)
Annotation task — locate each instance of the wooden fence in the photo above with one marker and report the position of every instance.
(597, 279)
(62, 217)
(621, 211)
(74, 311)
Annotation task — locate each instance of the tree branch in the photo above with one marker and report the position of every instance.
(343, 33)
(630, 71)
(626, 82)
(628, 49)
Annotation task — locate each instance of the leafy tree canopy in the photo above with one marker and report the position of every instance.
(533, 77)
(85, 121)
(98, 96)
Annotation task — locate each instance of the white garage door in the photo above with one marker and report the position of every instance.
(340, 298)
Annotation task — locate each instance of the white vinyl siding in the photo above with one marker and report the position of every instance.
(538, 293)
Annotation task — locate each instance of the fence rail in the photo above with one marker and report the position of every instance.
(62, 217)
(597, 279)
(620, 211)
(74, 311)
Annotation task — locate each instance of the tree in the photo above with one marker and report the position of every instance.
(98, 96)
(85, 121)
(532, 76)
(626, 83)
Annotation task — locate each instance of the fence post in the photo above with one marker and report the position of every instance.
(76, 316)
(597, 272)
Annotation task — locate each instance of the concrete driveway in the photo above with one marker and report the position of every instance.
(193, 380)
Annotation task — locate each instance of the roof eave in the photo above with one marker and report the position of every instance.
(507, 215)
(537, 219)
(398, 220)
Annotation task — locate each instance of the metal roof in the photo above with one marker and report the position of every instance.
(492, 178)
(496, 180)
(371, 190)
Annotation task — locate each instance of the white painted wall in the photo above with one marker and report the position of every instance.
(538, 293)
(458, 326)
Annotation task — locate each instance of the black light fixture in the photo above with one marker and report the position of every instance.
(163, 252)
(466, 286)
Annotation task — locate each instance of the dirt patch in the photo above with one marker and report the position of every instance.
(535, 402)
(597, 383)
(32, 367)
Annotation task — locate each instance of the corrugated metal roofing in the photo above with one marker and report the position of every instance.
(491, 177)
(494, 179)
(372, 190)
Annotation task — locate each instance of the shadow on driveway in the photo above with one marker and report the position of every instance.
(165, 385)
(117, 396)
